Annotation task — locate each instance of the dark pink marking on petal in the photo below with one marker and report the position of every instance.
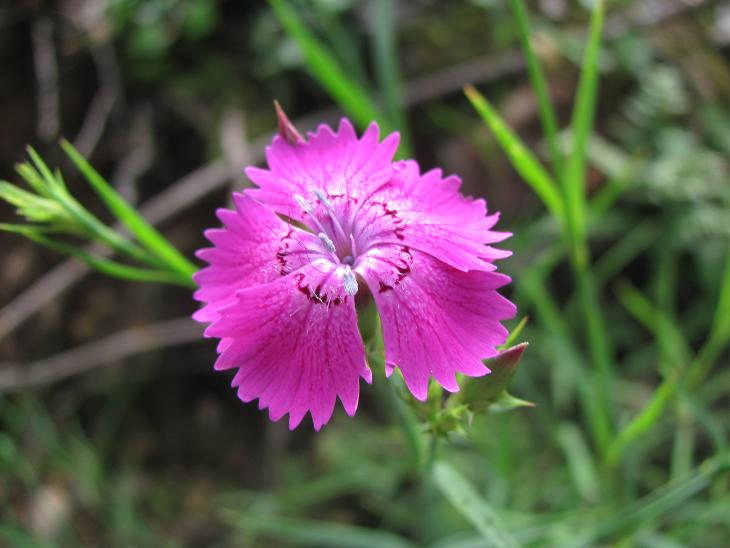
(437, 320)
(292, 354)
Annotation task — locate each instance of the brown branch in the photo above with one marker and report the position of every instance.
(103, 102)
(99, 353)
(46, 70)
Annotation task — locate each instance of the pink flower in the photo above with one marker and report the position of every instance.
(281, 298)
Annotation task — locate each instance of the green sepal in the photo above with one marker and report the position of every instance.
(478, 393)
(507, 402)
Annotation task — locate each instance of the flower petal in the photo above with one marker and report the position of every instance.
(254, 247)
(339, 164)
(296, 345)
(437, 320)
(428, 213)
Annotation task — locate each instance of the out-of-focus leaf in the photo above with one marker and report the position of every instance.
(386, 65)
(520, 156)
(345, 90)
(539, 86)
(580, 461)
(581, 124)
(302, 532)
(472, 506)
(655, 504)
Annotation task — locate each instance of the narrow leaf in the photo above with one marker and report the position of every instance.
(581, 126)
(539, 85)
(515, 333)
(644, 421)
(471, 506)
(521, 158)
(345, 91)
(314, 533)
(655, 504)
(386, 67)
(31, 176)
(42, 168)
(580, 461)
(102, 264)
(135, 223)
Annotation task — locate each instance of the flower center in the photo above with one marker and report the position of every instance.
(336, 239)
(338, 242)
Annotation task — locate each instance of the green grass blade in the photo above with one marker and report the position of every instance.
(580, 461)
(143, 231)
(581, 126)
(471, 506)
(546, 110)
(654, 505)
(386, 67)
(652, 412)
(515, 333)
(43, 169)
(82, 222)
(31, 206)
(675, 349)
(569, 360)
(521, 158)
(353, 99)
(719, 330)
(340, 41)
(619, 255)
(34, 179)
(300, 532)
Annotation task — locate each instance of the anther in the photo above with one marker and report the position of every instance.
(323, 198)
(327, 242)
(349, 281)
(304, 204)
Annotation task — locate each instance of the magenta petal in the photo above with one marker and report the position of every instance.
(254, 247)
(437, 320)
(339, 164)
(427, 212)
(296, 345)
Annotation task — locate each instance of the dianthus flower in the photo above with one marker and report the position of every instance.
(331, 214)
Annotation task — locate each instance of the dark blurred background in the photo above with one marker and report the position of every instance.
(114, 429)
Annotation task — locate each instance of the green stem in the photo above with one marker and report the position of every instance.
(598, 343)
(429, 493)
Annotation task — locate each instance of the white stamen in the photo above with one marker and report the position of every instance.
(327, 242)
(304, 204)
(323, 198)
(350, 281)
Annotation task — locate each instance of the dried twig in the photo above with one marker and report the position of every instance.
(46, 70)
(105, 351)
(138, 159)
(103, 102)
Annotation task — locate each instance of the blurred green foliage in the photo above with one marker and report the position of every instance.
(623, 272)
